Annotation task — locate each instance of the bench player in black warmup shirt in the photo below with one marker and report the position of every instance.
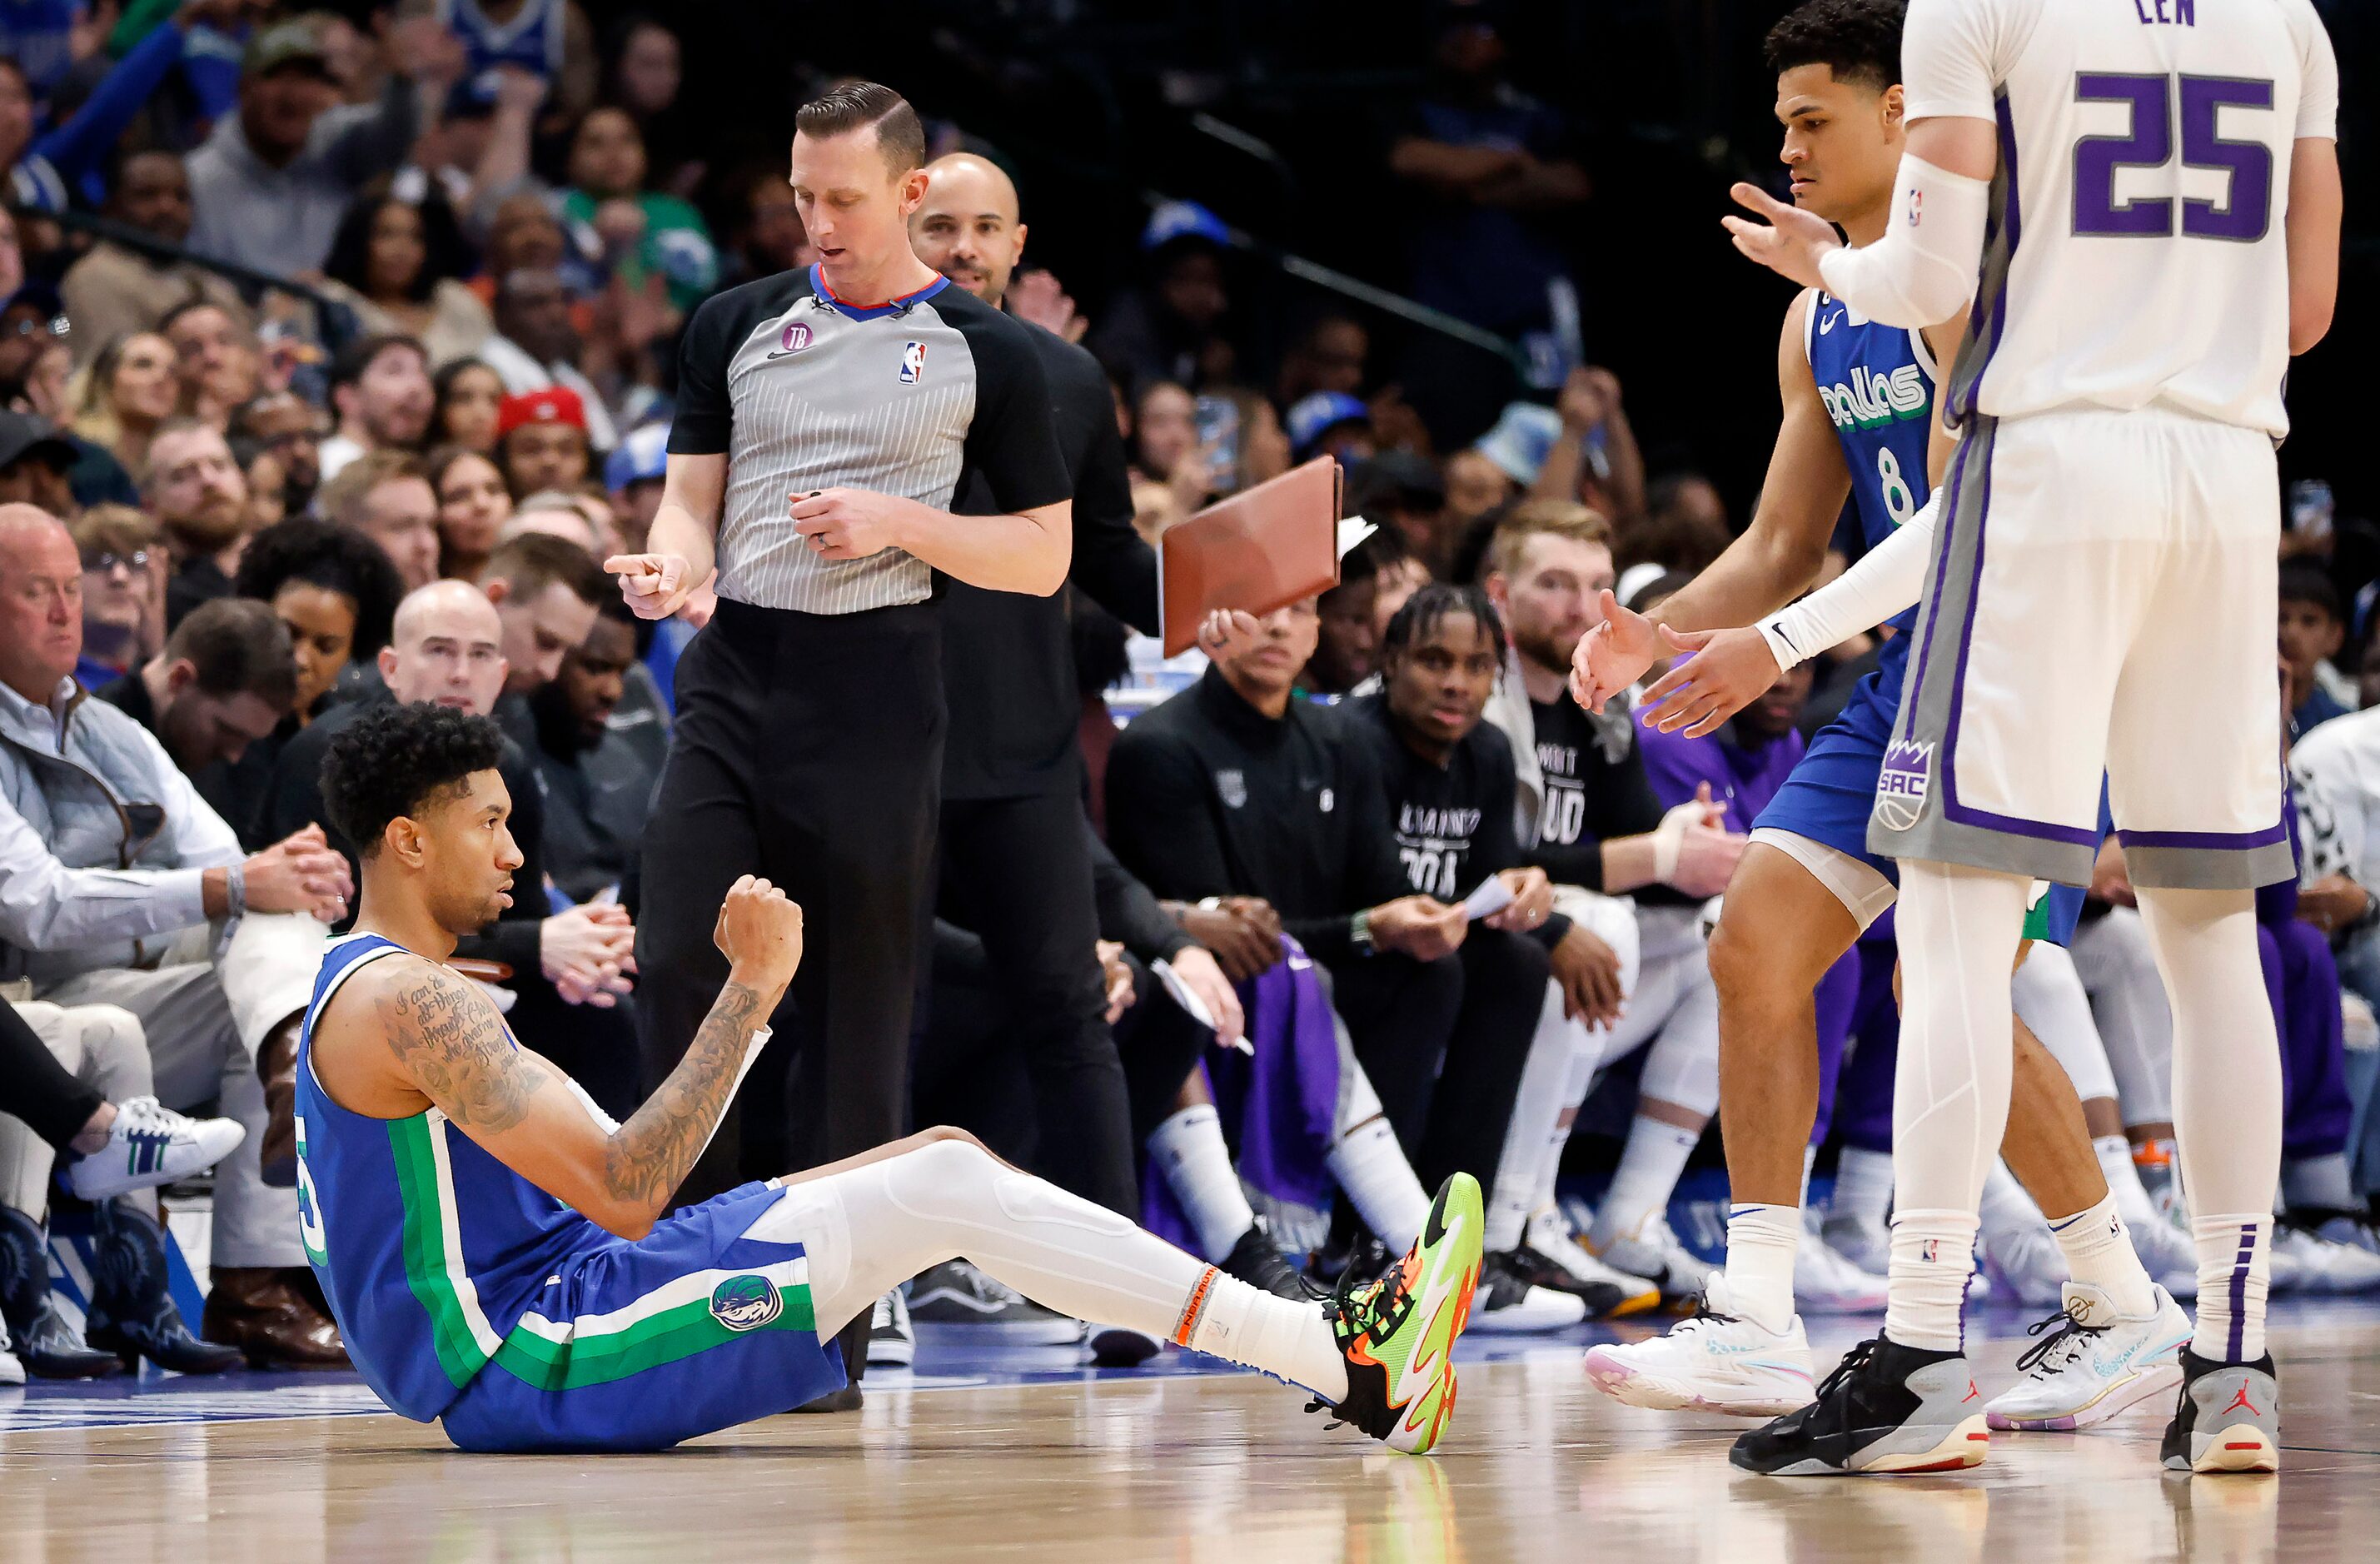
(1450, 785)
(826, 418)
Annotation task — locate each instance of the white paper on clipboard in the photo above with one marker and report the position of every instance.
(1492, 897)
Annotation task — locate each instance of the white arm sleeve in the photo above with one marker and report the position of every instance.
(1923, 271)
(1887, 581)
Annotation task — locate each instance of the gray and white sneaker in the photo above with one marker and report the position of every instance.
(956, 1294)
(2229, 1418)
(12, 1371)
(892, 1340)
(2095, 1364)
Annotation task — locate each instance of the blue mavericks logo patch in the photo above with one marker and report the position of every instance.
(746, 1303)
(1902, 784)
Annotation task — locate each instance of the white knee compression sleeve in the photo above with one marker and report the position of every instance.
(2226, 1102)
(1959, 931)
(2050, 998)
(869, 1229)
(1924, 267)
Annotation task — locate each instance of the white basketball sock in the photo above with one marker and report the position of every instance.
(1761, 1244)
(1541, 1117)
(1932, 1254)
(1371, 1166)
(2099, 1253)
(1864, 1184)
(1286, 1338)
(1649, 1166)
(1190, 1153)
(2234, 1265)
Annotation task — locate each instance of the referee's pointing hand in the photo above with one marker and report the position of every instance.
(847, 523)
(655, 586)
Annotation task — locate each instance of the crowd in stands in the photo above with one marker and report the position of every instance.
(335, 357)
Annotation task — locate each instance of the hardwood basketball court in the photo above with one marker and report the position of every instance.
(1017, 1453)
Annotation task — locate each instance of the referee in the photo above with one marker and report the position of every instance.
(1016, 867)
(825, 418)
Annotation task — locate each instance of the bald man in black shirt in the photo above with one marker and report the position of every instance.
(1014, 870)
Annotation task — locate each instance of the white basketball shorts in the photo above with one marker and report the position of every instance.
(2101, 594)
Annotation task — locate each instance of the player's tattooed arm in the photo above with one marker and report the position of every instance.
(649, 1155)
(450, 1040)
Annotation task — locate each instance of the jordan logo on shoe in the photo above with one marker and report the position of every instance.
(1972, 1393)
(2242, 1404)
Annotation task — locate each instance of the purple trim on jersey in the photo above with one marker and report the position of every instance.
(2013, 215)
(1915, 678)
(1966, 814)
(2207, 840)
(2239, 1292)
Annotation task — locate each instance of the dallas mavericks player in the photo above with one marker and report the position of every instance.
(496, 1251)
(2153, 187)
(1858, 403)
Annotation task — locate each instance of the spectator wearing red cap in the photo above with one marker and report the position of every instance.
(542, 440)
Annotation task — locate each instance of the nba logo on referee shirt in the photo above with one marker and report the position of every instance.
(913, 363)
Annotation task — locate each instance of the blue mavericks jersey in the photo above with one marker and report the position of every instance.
(428, 1248)
(1878, 384)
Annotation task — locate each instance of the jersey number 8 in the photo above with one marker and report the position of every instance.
(2244, 215)
(1900, 501)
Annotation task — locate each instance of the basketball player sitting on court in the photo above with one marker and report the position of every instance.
(498, 1253)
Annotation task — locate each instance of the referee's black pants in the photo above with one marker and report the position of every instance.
(1017, 873)
(807, 749)
(1445, 1042)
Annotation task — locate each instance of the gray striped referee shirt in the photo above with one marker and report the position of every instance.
(802, 391)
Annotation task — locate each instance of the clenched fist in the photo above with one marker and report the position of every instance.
(759, 932)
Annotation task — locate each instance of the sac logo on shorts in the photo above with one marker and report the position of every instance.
(746, 1303)
(913, 363)
(1901, 786)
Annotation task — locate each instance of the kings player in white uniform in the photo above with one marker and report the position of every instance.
(2152, 187)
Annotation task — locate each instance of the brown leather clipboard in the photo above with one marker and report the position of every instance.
(1261, 550)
